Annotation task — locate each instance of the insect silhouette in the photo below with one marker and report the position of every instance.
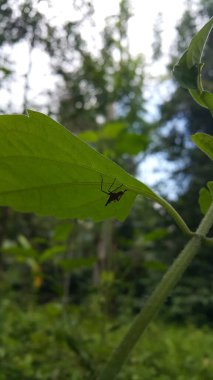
(114, 194)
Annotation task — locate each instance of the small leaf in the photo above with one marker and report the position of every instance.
(155, 265)
(197, 45)
(204, 142)
(62, 231)
(47, 170)
(208, 99)
(188, 70)
(157, 234)
(108, 131)
(204, 98)
(49, 253)
(210, 186)
(89, 136)
(131, 143)
(206, 197)
(185, 76)
(112, 130)
(5, 71)
(73, 264)
(24, 242)
(197, 96)
(20, 252)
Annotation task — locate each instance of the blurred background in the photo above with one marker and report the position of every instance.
(69, 289)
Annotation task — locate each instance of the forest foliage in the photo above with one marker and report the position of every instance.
(70, 288)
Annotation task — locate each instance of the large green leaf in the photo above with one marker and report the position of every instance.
(204, 142)
(46, 170)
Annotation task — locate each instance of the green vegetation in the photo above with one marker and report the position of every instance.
(50, 342)
(73, 293)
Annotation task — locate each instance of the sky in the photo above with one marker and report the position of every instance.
(144, 16)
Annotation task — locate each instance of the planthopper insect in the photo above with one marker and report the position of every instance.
(114, 194)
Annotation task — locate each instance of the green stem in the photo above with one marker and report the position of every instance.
(156, 299)
(144, 191)
(174, 214)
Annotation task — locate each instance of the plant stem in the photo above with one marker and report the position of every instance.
(156, 299)
(174, 214)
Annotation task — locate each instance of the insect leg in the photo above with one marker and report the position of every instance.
(112, 185)
(102, 186)
(117, 188)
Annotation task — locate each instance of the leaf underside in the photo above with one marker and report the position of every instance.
(47, 170)
(204, 142)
